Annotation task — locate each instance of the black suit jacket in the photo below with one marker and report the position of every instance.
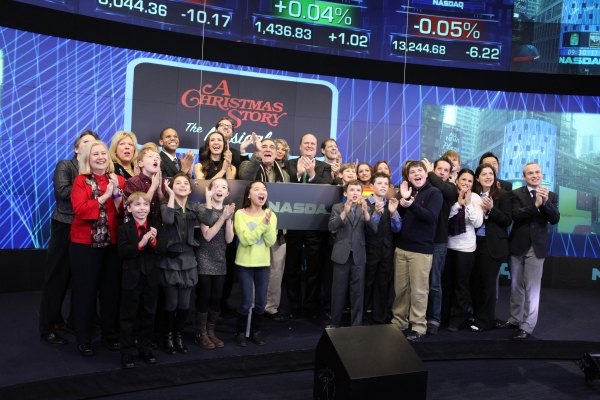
(132, 256)
(167, 167)
(530, 226)
(506, 186)
(496, 226)
(322, 172)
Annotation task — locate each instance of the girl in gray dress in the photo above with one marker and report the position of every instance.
(210, 256)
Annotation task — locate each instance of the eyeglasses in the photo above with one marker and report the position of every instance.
(226, 126)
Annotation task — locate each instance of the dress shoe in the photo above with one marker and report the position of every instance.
(65, 328)
(85, 349)
(127, 361)
(147, 357)
(453, 328)
(112, 344)
(54, 338)
(521, 335)
(506, 325)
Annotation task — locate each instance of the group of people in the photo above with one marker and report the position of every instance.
(125, 236)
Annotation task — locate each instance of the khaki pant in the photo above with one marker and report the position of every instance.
(411, 285)
(275, 276)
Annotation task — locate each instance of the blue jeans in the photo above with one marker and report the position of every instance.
(253, 279)
(434, 299)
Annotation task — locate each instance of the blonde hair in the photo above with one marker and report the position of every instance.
(136, 196)
(150, 146)
(286, 148)
(117, 137)
(84, 158)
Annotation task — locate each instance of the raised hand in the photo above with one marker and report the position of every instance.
(393, 206)
(227, 156)
(468, 197)
(428, 165)
(246, 142)
(257, 144)
(378, 207)
(267, 218)
(167, 188)
(406, 203)
(405, 191)
(156, 179)
(301, 167)
(310, 166)
(543, 194)
(461, 197)
(365, 210)
(187, 161)
(209, 193)
(228, 211)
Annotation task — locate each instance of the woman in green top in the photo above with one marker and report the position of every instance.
(257, 231)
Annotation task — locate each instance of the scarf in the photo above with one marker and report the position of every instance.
(261, 174)
(456, 224)
(100, 233)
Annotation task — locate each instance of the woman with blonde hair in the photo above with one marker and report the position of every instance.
(97, 201)
(123, 152)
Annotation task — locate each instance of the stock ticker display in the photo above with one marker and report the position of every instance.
(519, 35)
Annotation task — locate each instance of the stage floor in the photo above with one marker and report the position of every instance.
(569, 325)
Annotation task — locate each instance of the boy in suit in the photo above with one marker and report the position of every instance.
(349, 220)
(380, 247)
(140, 246)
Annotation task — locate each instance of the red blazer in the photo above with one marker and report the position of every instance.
(87, 210)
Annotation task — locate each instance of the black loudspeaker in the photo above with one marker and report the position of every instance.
(590, 365)
(367, 362)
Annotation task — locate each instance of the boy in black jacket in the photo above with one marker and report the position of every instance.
(140, 247)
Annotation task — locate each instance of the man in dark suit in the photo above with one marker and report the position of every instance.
(533, 207)
(305, 169)
(490, 158)
(170, 165)
(140, 246)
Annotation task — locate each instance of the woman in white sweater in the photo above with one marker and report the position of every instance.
(466, 215)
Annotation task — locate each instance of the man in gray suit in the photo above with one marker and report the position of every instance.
(348, 222)
(533, 207)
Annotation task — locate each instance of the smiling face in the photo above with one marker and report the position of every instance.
(150, 163)
(181, 186)
(442, 170)
(221, 188)
(486, 178)
(139, 208)
(99, 159)
(125, 150)
(308, 146)
(169, 141)
(353, 193)
(465, 181)
(330, 151)
(258, 194)
(417, 176)
(533, 175)
(381, 186)
(349, 174)
(364, 173)
(492, 161)
(215, 144)
(268, 151)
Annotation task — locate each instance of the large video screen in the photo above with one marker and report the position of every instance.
(517, 35)
(53, 88)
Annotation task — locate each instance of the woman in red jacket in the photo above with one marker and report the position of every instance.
(97, 201)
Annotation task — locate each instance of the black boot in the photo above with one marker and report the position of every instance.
(240, 329)
(255, 323)
(180, 318)
(168, 321)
